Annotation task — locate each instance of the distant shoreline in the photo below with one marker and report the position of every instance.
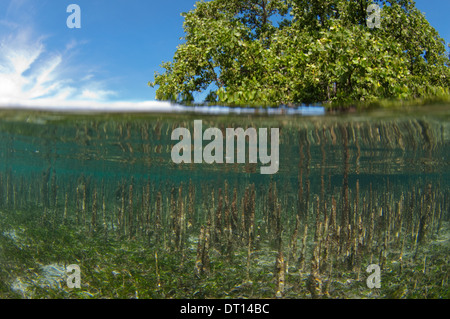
(164, 107)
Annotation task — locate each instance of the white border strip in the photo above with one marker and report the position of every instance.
(150, 107)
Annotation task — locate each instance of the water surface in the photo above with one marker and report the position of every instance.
(101, 191)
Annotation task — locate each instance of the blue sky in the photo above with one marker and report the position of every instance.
(111, 58)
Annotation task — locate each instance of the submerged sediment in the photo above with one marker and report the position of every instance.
(104, 194)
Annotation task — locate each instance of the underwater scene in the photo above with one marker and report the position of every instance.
(95, 206)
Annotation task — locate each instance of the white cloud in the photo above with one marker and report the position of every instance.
(68, 105)
(30, 75)
(88, 77)
(96, 94)
(17, 54)
(34, 76)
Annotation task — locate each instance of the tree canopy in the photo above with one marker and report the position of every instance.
(287, 52)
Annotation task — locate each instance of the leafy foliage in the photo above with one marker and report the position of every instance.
(273, 52)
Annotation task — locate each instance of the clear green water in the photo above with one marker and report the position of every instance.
(101, 191)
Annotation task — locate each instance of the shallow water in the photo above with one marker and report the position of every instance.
(372, 188)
